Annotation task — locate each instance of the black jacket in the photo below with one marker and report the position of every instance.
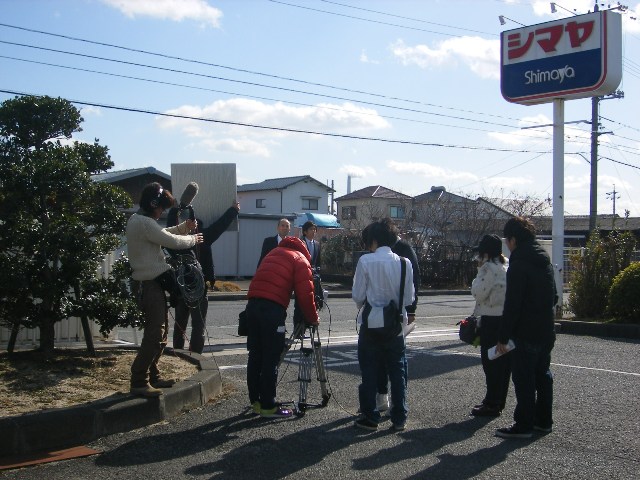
(202, 252)
(531, 296)
(268, 244)
(403, 249)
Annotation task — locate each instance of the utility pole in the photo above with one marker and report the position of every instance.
(613, 196)
(593, 198)
(595, 133)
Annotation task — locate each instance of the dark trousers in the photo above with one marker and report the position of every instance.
(153, 303)
(373, 353)
(497, 372)
(265, 342)
(198, 321)
(533, 383)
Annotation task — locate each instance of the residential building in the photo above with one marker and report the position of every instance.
(358, 209)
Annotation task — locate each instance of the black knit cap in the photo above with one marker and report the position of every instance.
(491, 245)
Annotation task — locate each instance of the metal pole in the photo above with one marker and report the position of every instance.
(557, 224)
(593, 203)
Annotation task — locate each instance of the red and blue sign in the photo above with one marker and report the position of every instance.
(575, 57)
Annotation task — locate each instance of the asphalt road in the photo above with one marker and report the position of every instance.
(596, 432)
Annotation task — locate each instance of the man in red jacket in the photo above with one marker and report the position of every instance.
(284, 270)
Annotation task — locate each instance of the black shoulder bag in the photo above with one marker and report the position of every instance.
(392, 313)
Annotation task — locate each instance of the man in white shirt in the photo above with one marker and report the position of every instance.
(375, 284)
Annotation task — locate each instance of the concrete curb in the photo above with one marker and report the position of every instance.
(65, 427)
(595, 329)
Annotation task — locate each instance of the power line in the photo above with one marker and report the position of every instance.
(194, 87)
(244, 82)
(363, 19)
(280, 129)
(409, 18)
(241, 70)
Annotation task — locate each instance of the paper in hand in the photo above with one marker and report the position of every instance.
(492, 354)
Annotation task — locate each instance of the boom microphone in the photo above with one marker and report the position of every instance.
(188, 195)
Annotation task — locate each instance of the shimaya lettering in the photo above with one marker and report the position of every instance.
(557, 75)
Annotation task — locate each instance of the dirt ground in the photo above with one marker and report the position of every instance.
(30, 383)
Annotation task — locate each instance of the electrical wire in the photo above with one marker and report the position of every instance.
(290, 130)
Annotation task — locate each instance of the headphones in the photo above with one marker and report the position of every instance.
(155, 203)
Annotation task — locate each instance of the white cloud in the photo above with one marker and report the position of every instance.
(364, 58)
(482, 56)
(346, 119)
(575, 137)
(176, 10)
(432, 172)
(89, 110)
(356, 171)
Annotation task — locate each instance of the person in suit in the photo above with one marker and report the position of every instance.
(309, 230)
(269, 243)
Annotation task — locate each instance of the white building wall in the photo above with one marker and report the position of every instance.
(272, 201)
(294, 194)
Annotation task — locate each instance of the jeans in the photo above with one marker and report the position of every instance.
(497, 372)
(533, 384)
(153, 303)
(265, 342)
(198, 320)
(372, 354)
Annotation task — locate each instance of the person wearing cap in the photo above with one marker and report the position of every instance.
(489, 289)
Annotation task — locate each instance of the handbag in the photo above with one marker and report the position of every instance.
(468, 329)
(392, 314)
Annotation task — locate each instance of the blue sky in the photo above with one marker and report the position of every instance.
(424, 72)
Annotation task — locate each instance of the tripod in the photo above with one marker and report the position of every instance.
(308, 356)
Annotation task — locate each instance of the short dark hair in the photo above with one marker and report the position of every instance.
(307, 225)
(384, 232)
(154, 196)
(519, 228)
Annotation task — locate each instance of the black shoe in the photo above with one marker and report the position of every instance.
(486, 411)
(366, 424)
(543, 428)
(513, 432)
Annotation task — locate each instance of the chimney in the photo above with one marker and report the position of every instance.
(348, 184)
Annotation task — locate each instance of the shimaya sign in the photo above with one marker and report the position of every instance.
(575, 57)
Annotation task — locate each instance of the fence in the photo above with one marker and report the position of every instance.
(69, 330)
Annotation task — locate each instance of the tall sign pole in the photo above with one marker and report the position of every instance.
(575, 57)
(557, 222)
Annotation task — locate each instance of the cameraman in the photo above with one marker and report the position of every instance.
(285, 269)
(202, 259)
(151, 277)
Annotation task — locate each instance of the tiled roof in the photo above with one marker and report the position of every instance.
(124, 174)
(374, 191)
(279, 183)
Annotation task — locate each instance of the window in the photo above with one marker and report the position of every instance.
(348, 213)
(310, 204)
(261, 203)
(396, 211)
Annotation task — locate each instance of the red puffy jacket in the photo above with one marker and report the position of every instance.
(285, 269)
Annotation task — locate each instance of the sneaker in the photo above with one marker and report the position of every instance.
(486, 411)
(256, 408)
(366, 424)
(276, 412)
(162, 383)
(398, 427)
(146, 391)
(543, 428)
(513, 432)
(382, 402)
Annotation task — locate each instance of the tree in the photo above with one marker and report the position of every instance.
(56, 224)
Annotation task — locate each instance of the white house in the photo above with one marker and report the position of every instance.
(289, 195)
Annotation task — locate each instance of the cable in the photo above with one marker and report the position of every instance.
(199, 62)
(323, 107)
(290, 130)
(254, 84)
